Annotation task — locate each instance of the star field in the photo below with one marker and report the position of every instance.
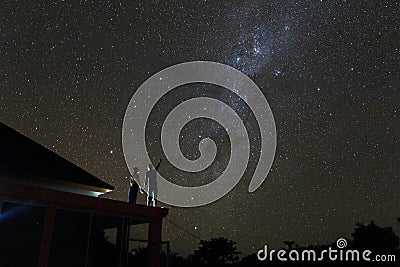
(329, 70)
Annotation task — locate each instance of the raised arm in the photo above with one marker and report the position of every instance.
(158, 165)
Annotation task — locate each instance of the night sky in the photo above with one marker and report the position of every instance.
(329, 70)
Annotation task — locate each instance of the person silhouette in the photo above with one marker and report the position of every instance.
(151, 183)
(134, 186)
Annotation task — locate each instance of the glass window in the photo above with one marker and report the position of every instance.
(70, 239)
(21, 229)
(138, 251)
(105, 241)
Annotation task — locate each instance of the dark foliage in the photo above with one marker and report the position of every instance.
(221, 251)
(215, 252)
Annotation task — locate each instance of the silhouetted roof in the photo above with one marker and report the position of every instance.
(23, 159)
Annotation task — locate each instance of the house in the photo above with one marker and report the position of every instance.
(51, 215)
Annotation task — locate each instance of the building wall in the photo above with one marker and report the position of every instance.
(42, 233)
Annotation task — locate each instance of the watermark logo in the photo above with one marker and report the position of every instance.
(147, 95)
(329, 254)
(341, 243)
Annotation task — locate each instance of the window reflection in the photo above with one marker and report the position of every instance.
(21, 228)
(69, 239)
(105, 241)
(138, 249)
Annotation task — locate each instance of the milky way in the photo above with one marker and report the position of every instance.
(329, 70)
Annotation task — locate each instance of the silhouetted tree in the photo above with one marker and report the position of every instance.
(139, 257)
(215, 252)
(250, 260)
(379, 240)
(289, 244)
(375, 238)
(101, 251)
(174, 260)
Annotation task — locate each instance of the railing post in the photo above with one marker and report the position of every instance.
(155, 242)
(88, 240)
(124, 244)
(46, 236)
